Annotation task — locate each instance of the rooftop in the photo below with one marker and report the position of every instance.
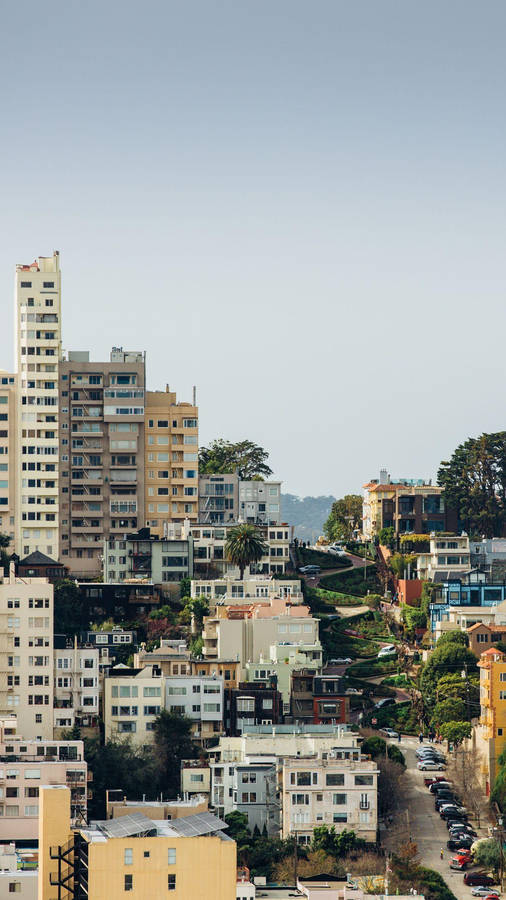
(139, 825)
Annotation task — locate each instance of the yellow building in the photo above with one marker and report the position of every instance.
(492, 736)
(171, 460)
(190, 857)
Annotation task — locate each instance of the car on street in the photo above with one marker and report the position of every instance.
(436, 779)
(477, 879)
(440, 784)
(429, 753)
(464, 844)
(386, 701)
(353, 691)
(448, 812)
(341, 661)
(386, 651)
(446, 800)
(429, 765)
(462, 828)
(390, 733)
(336, 550)
(456, 820)
(484, 892)
(310, 570)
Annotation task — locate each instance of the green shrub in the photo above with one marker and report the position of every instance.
(308, 557)
(353, 581)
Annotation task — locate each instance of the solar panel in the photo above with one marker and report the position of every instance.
(199, 824)
(127, 826)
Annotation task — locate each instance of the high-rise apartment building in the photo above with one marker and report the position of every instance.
(26, 654)
(101, 454)
(172, 476)
(8, 415)
(38, 351)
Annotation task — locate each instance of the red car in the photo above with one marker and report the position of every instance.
(428, 781)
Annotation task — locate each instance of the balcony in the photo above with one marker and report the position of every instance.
(364, 804)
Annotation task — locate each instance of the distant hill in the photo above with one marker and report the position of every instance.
(307, 514)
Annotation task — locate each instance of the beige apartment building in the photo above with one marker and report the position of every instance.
(101, 454)
(171, 453)
(8, 459)
(28, 765)
(26, 654)
(337, 788)
(38, 352)
(132, 700)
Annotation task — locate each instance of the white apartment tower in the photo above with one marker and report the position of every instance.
(38, 353)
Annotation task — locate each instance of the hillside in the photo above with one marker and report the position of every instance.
(307, 514)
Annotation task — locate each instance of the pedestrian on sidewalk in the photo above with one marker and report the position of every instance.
(399, 737)
(442, 853)
(420, 737)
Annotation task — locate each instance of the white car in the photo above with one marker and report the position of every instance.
(390, 733)
(337, 551)
(430, 765)
(385, 651)
(484, 892)
(353, 691)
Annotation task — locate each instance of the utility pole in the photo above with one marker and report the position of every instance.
(468, 703)
(295, 859)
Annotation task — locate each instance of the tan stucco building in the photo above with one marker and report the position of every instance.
(171, 453)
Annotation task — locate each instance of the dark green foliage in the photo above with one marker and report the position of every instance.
(245, 545)
(386, 536)
(432, 885)
(172, 743)
(353, 582)
(455, 732)
(498, 794)
(120, 766)
(345, 518)
(244, 457)
(449, 657)
(185, 586)
(450, 710)
(375, 746)
(474, 482)
(70, 611)
(308, 557)
(488, 855)
(333, 842)
(4, 556)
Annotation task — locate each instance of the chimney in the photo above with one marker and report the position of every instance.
(194, 395)
(383, 477)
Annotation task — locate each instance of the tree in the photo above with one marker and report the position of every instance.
(238, 827)
(245, 545)
(464, 771)
(453, 637)
(377, 748)
(455, 732)
(386, 536)
(119, 765)
(244, 457)
(172, 743)
(390, 784)
(488, 854)
(334, 843)
(450, 656)
(451, 710)
(474, 482)
(4, 556)
(399, 563)
(454, 686)
(345, 518)
(69, 608)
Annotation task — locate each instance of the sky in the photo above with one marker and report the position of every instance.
(298, 207)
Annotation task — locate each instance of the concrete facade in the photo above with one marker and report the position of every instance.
(38, 354)
(102, 454)
(260, 502)
(171, 454)
(8, 462)
(26, 653)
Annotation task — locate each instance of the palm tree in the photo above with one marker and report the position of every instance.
(245, 545)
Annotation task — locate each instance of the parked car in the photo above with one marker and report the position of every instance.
(478, 878)
(484, 892)
(310, 570)
(423, 749)
(386, 652)
(456, 820)
(342, 661)
(429, 765)
(353, 691)
(445, 800)
(440, 783)
(461, 860)
(390, 733)
(462, 828)
(386, 701)
(464, 843)
(336, 551)
(436, 779)
(430, 754)
(449, 812)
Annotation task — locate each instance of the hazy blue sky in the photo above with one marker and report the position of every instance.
(298, 207)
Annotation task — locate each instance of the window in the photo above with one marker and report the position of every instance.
(334, 779)
(364, 779)
(129, 856)
(300, 799)
(339, 799)
(171, 856)
(129, 882)
(171, 882)
(14, 887)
